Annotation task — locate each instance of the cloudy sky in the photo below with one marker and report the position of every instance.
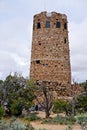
(16, 18)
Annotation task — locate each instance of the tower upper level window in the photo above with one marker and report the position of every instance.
(58, 24)
(47, 24)
(65, 25)
(37, 61)
(64, 40)
(38, 25)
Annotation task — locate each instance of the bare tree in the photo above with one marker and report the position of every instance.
(47, 98)
(75, 92)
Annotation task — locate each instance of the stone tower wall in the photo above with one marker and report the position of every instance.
(50, 59)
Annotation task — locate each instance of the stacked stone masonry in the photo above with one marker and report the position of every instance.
(50, 56)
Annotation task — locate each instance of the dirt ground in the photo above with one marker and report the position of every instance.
(37, 124)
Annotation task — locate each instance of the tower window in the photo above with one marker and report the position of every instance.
(47, 24)
(65, 25)
(38, 61)
(37, 82)
(38, 25)
(64, 40)
(39, 43)
(58, 24)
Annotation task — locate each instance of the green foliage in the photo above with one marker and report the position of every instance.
(62, 106)
(84, 86)
(17, 126)
(69, 127)
(32, 117)
(64, 120)
(30, 127)
(47, 121)
(18, 92)
(59, 106)
(82, 120)
(14, 125)
(16, 108)
(81, 103)
(2, 111)
(3, 125)
(60, 120)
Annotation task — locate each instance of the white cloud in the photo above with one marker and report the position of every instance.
(78, 47)
(15, 45)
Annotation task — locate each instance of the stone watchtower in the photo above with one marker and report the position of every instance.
(50, 59)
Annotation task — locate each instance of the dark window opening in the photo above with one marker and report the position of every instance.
(48, 82)
(58, 24)
(38, 25)
(68, 82)
(47, 24)
(38, 61)
(37, 82)
(65, 25)
(39, 43)
(64, 40)
(38, 19)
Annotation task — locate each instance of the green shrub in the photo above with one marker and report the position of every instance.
(64, 120)
(16, 108)
(14, 125)
(59, 106)
(32, 117)
(46, 121)
(62, 106)
(81, 103)
(82, 120)
(17, 126)
(4, 125)
(69, 127)
(2, 111)
(60, 120)
(30, 127)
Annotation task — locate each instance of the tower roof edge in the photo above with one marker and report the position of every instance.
(49, 14)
